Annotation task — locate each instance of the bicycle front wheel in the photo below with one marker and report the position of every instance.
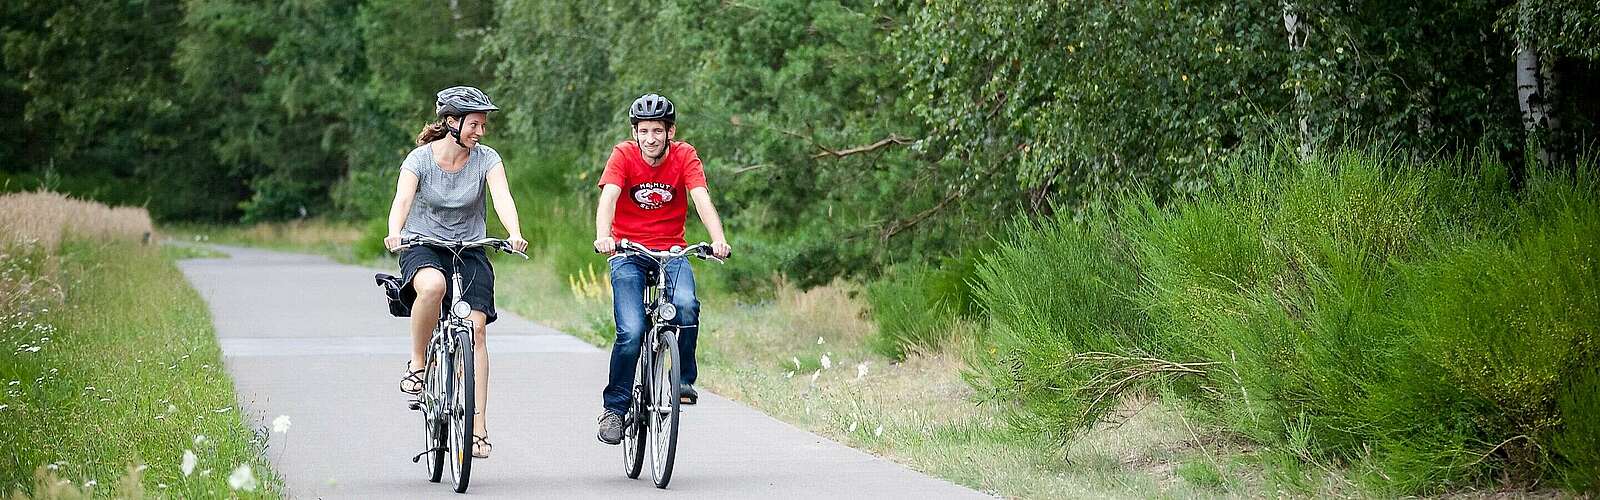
(663, 427)
(462, 410)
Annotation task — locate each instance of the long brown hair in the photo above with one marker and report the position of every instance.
(432, 132)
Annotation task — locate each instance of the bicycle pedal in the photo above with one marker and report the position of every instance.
(415, 404)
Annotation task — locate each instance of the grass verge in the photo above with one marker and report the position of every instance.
(112, 374)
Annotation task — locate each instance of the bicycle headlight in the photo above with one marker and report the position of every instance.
(668, 311)
(461, 309)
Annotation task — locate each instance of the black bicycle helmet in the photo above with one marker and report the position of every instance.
(652, 107)
(460, 100)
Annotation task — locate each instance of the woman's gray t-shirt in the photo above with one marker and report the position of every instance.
(449, 205)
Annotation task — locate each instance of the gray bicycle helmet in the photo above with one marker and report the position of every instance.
(652, 107)
(460, 100)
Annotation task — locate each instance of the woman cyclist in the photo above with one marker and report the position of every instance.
(441, 195)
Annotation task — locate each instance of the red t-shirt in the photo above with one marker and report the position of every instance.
(655, 200)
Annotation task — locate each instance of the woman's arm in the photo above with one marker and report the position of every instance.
(505, 207)
(405, 192)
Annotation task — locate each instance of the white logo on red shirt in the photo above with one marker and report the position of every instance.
(652, 195)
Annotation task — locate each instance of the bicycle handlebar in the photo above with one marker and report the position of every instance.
(495, 243)
(701, 250)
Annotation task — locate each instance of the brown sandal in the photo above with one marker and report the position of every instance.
(481, 446)
(414, 378)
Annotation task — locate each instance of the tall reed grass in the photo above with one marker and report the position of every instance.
(1417, 319)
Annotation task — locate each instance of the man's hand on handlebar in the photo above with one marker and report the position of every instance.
(720, 249)
(605, 245)
(392, 242)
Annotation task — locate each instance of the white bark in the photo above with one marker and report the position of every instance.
(1297, 43)
(1533, 97)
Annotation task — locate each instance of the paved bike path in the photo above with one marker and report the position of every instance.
(306, 337)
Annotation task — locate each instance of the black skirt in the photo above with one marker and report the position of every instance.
(477, 276)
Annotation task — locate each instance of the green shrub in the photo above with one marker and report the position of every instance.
(1416, 316)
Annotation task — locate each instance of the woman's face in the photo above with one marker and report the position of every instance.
(473, 126)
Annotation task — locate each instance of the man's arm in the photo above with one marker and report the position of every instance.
(603, 215)
(713, 223)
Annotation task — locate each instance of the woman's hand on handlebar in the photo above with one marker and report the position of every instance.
(392, 242)
(517, 243)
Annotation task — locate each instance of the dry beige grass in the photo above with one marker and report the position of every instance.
(41, 219)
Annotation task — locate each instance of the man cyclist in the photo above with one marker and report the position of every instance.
(655, 172)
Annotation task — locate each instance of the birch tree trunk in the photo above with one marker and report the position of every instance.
(1533, 97)
(1298, 33)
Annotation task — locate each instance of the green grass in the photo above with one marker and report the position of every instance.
(127, 377)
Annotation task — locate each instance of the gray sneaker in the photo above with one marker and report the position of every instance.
(610, 428)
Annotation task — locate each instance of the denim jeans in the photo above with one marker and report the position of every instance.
(627, 290)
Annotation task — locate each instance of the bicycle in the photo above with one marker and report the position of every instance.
(654, 412)
(447, 400)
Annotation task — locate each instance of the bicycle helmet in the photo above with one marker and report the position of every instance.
(652, 107)
(460, 100)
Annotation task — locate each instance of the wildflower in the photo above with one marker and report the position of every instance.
(200, 439)
(90, 483)
(814, 376)
(242, 478)
(826, 362)
(281, 424)
(819, 341)
(792, 359)
(852, 427)
(188, 462)
(861, 370)
(32, 349)
(878, 432)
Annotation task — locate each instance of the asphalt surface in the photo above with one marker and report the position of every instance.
(311, 339)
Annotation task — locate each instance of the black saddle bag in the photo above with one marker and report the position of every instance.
(398, 307)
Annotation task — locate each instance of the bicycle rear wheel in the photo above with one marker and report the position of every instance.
(463, 407)
(664, 389)
(434, 426)
(633, 424)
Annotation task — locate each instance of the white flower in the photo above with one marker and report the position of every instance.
(188, 462)
(814, 376)
(2, 407)
(281, 424)
(90, 483)
(242, 478)
(861, 370)
(852, 427)
(792, 359)
(789, 374)
(878, 432)
(819, 341)
(171, 407)
(199, 440)
(826, 362)
(32, 349)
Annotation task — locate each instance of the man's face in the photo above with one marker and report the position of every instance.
(652, 137)
(472, 127)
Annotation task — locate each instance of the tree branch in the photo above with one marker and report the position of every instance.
(892, 139)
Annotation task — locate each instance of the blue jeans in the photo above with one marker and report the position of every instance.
(627, 290)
